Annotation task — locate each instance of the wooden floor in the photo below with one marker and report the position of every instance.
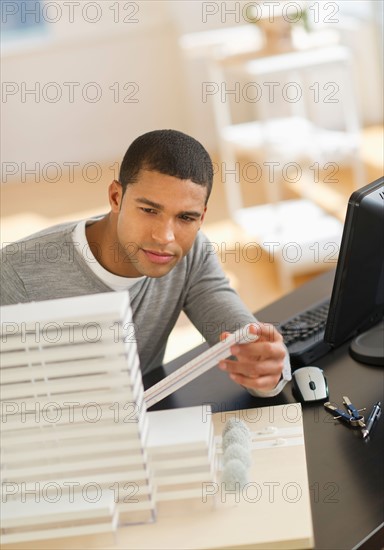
(28, 206)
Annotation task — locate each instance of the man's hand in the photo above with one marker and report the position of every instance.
(259, 364)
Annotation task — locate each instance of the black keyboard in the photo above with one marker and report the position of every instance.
(304, 334)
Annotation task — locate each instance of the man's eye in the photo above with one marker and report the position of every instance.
(186, 218)
(148, 210)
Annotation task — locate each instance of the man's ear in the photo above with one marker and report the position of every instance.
(115, 194)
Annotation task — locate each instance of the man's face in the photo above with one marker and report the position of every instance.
(157, 220)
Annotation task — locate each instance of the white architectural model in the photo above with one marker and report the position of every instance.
(80, 453)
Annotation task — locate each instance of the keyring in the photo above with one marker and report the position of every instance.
(353, 419)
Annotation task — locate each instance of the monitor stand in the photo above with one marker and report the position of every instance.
(368, 347)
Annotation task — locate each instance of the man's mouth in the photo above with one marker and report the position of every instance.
(158, 257)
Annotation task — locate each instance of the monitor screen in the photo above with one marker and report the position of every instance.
(357, 301)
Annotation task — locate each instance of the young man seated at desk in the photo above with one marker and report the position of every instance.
(150, 244)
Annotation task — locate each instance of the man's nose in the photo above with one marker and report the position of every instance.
(163, 232)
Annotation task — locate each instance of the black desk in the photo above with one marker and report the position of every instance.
(345, 472)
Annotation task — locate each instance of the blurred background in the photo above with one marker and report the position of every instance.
(285, 96)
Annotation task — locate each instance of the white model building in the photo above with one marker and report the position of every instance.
(80, 453)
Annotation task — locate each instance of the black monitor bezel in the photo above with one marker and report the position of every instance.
(347, 242)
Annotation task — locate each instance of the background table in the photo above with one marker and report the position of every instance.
(346, 473)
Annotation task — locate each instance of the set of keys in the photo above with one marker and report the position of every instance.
(352, 417)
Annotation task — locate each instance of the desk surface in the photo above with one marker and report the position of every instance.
(346, 474)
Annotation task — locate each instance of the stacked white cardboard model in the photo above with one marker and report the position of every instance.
(76, 457)
(181, 464)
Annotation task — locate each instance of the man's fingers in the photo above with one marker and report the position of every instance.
(266, 332)
(249, 369)
(259, 351)
(258, 364)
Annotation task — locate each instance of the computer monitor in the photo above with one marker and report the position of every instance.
(357, 301)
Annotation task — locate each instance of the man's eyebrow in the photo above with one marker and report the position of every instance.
(150, 203)
(160, 207)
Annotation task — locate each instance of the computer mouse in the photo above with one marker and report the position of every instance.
(309, 384)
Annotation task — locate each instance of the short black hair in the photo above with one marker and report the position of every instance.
(168, 152)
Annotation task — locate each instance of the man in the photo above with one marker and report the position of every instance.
(149, 243)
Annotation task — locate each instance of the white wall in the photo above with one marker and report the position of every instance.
(95, 124)
(138, 44)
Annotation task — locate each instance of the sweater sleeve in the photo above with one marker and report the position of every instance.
(12, 287)
(214, 307)
(210, 302)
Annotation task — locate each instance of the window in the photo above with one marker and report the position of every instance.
(21, 18)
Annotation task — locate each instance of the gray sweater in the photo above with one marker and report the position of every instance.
(48, 265)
